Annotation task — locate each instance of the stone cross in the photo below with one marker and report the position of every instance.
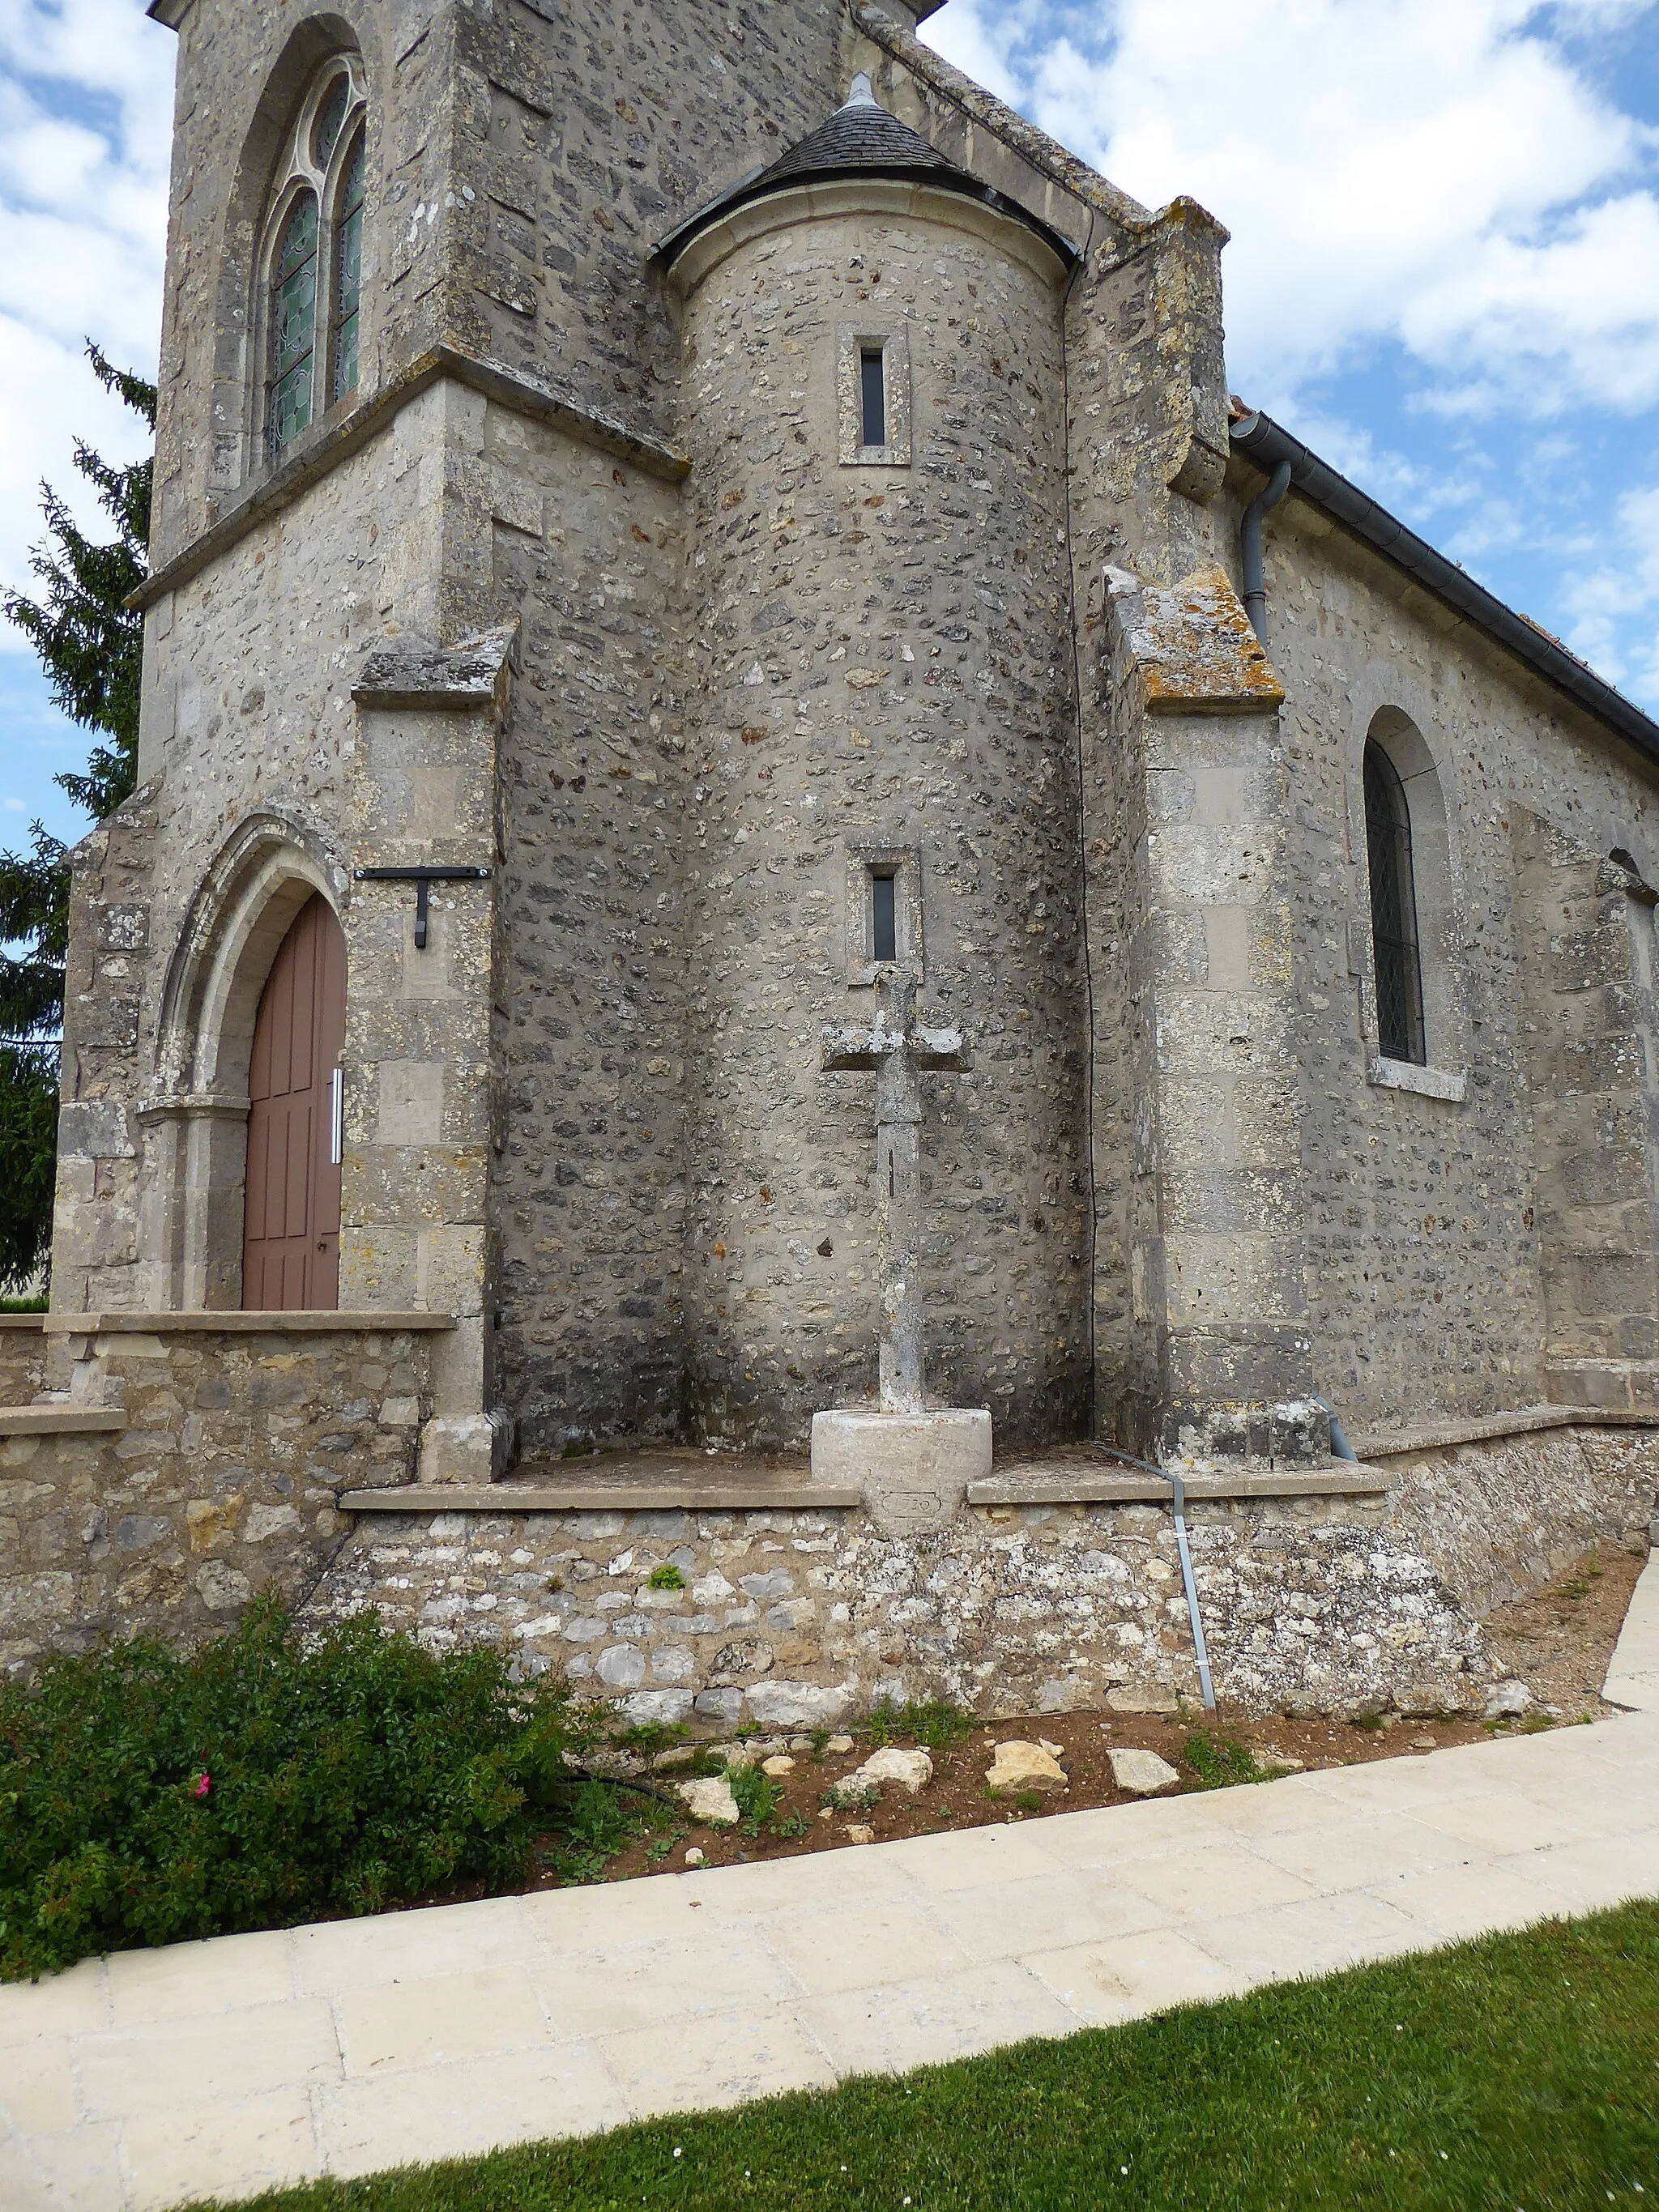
(898, 1049)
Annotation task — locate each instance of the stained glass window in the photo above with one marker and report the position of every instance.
(331, 120)
(1394, 911)
(348, 275)
(294, 323)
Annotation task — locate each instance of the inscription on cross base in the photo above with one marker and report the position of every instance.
(898, 1049)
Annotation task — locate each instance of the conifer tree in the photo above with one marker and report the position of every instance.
(91, 647)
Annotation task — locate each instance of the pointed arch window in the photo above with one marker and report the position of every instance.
(313, 258)
(1394, 911)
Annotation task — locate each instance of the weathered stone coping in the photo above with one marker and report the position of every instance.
(238, 1323)
(22, 1320)
(511, 387)
(710, 1494)
(1488, 1428)
(60, 1420)
(1036, 1484)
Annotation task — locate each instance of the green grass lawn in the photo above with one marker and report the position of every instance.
(1519, 2073)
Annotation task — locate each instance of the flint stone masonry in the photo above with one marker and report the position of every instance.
(800, 1620)
(22, 1359)
(218, 1484)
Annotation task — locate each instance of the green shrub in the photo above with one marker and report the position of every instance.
(667, 1576)
(147, 1798)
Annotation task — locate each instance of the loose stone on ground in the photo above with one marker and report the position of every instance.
(1142, 1772)
(711, 1800)
(1018, 1765)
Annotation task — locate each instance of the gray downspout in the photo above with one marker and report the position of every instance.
(1340, 1448)
(1178, 1507)
(1249, 546)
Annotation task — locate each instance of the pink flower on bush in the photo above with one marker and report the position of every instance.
(203, 1784)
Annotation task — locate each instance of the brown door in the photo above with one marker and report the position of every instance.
(291, 1222)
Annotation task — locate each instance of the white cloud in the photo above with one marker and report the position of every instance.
(1614, 604)
(1443, 174)
(86, 111)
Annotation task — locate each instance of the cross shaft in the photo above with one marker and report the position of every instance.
(898, 1050)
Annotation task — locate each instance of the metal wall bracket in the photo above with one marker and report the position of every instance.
(423, 878)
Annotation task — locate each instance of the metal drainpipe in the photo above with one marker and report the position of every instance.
(1249, 546)
(1178, 1507)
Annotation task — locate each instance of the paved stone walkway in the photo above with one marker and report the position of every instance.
(222, 2067)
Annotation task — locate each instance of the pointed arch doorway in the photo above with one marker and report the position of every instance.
(291, 1210)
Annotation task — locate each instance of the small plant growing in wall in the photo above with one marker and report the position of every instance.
(667, 1576)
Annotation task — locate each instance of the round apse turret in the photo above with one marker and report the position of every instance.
(882, 738)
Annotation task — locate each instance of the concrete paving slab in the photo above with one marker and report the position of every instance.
(260, 2143)
(37, 2087)
(1317, 1936)
(852, 1949)
(734, 2056)
(450, 2110)
(231, 1972)
(231, 2055)
(1106, 1983)
(937, 2017)
(411, 1946)
(1215, 1881)
(1500, 1820)
(77, 2171)
(650, 1986)
(1009, 1919)
(394, 2026)
(75, 2003)
(1352, 1854)
(1473, 1898)
(217, 2068)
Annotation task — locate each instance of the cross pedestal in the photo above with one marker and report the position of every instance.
(914, 1461)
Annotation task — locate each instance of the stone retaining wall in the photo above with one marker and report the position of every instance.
(798, 1618)
(1499, 1516)
(223, 1484)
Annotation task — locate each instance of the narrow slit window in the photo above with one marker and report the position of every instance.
(1394, 912)
(872, 370)
(348, 275)
(294, 323)
(883, 935)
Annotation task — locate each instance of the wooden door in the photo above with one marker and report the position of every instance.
(291, 1220)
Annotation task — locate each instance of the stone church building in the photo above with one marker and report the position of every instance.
(672, 521)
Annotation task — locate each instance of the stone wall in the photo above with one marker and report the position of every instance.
(1587, 1043)
(587, 1193)
(223, 1484)
(1500, 1517)
(798, 1620)
(22, 1359)
(1426, 1263)
(880, 665)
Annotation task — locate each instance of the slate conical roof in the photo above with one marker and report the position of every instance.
(861, 139)
(861, 135)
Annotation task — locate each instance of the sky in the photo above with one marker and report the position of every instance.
(1443, 272)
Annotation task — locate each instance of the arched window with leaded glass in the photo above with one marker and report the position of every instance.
(1395, 940)
(312, 259)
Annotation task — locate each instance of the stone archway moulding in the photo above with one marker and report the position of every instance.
(195, 1122)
